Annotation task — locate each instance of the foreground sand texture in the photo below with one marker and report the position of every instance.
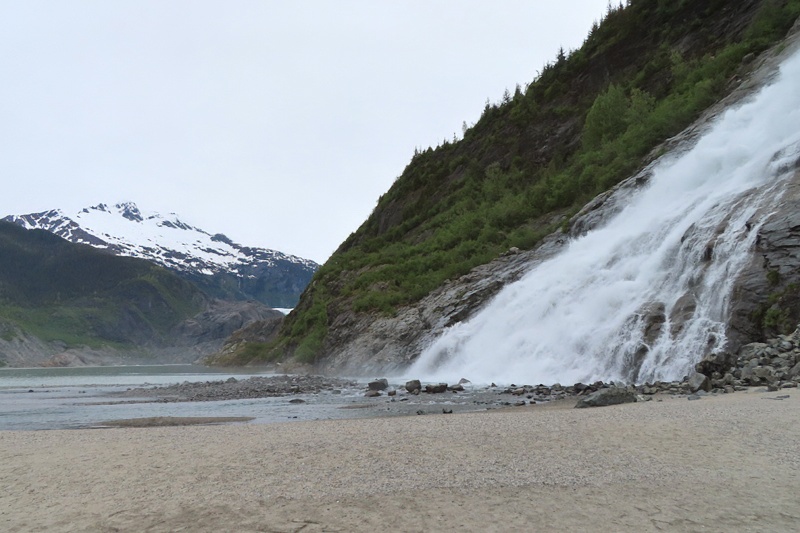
(728, 463)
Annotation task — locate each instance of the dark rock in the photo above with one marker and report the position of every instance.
(378, 384)
(694, 397)
(715, 362)
(296, 400)
(392, 392)
(413, 385)
(653, 317)
(372, 393)
(748, 375)
(766, 373)
(436, 389)
(456, 388)
(698, 381)
(446, 411)
(609, 396)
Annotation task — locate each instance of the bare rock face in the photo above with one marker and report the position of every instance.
(220, 319)
(766, 284)
(252, 329)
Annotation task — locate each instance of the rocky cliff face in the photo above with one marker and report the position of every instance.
(766, 298)
(767, 295)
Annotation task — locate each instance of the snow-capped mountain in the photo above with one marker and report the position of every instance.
(218, 265)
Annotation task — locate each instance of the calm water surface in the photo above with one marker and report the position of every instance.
(65, 398)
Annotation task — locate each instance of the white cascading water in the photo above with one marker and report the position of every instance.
(582, 315)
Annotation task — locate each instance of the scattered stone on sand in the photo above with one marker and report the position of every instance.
(773, 365)
(378, 384)
(254, 387)
(413, 385)
(605, 397)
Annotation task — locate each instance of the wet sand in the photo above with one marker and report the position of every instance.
(725, 463)
(160, 421)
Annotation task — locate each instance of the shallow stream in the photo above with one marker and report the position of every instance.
(85, 397)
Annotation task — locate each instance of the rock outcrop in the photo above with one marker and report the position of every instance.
(766, 297)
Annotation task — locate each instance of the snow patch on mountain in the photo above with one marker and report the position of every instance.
(125, 230)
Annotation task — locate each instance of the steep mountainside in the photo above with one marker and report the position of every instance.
(65, 303)
(219, 266)
(588, 121)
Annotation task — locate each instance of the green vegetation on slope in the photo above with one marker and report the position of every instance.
(588, 121)
(56, 290)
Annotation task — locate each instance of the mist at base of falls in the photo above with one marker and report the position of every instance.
(645, 296)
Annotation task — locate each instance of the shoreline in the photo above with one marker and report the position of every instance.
(728, 462)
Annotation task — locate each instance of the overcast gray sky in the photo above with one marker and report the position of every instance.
(277, 123)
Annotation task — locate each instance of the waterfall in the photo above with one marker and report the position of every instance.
(645, 296)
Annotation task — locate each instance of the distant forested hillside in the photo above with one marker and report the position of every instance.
(59, 291)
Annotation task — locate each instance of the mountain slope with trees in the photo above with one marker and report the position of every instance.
(56, 296)
(590, 119)
(218, 266)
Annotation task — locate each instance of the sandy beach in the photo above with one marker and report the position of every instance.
(724, 463)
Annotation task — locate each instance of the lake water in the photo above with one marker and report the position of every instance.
(70, 398)
(65, 398)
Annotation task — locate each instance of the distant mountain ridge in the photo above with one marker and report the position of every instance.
(66, 304)
(219, 266)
